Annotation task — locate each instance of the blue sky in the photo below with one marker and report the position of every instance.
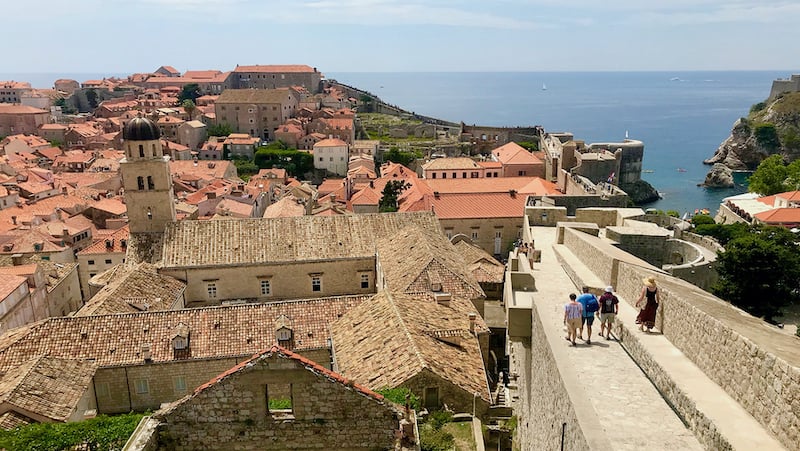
(118, 36)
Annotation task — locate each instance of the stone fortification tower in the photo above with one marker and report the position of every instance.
(146, 178)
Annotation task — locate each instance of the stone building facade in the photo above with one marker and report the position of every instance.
(279, 400)
(275, 76)
(257, 112)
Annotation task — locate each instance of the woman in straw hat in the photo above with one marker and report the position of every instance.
(647, 316)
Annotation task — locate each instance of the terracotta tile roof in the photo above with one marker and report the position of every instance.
(451, 163)
(482, 265)
(12, 420)
(342, 123)
(135, 289)
(254, 96)
(513, 153)
(780, 216)
(394, 337)
(305, 238)
(170, 69)
(10, 284)
(790, 196)
(29, 140)
(56, 272)
(203, 170)
(53, 127)
(367, 196)
(50, 153)
(415, 259)
(215, 332)
(233, 208)
(7, 108)
(274, 173)
(488, 205)
(201, 74)
(285, 208)
(276, 351)
(41, 208)
(28, 242)
(47, 386)
(99, 245)
(272, 68)
(522, 185)
(331, 142)
(329, 185)
(113, 206)
(490, 164)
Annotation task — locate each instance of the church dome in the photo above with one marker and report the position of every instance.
(141, 129)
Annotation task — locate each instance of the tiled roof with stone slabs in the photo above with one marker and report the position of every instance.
(273, 240)
(135, 289)
(392, 338)
(412, 256)
(12, 420)
(215, 332)
(482, 265)
(47, 386)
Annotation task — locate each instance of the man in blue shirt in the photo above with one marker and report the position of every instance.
(590, 305)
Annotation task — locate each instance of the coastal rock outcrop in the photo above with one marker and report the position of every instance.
(720, 176)
(640, 192)
(771, 128)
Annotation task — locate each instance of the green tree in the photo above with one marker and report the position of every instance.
(190, 108)
(398, 156)
(760, 271)
(767, 136)
(190, 91)
(401, 395)
(723, 233)
(769, 177)
(91, 98)
(702, 219)
(222, 129)
(100, 433)
(276, 155)
(391, 193)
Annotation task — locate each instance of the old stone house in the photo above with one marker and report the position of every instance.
(279, 400)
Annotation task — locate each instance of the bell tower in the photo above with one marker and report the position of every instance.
(146, 178)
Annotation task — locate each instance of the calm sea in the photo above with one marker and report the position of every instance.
(681, 116)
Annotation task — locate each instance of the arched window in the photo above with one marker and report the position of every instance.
(149, 213)
(140, 182)
(141, 150)
(150, 184)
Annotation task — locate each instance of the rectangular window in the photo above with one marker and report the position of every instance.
(463, 175)
(521, 173)
(474, 235)
(455, 175)
(449, 233)
(444, 175)
(316, 283)
(498, 234)
(91, 262)
(211, 287)
(179, 383)
(364, 280)
(266, 288)
(433, 175)
(142, 386)
(108, 261)
(279, 398)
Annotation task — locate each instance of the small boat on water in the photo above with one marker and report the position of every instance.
(681, 170)
(648, 171)
(544, 87)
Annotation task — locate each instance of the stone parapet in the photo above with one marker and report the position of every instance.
(758, 367)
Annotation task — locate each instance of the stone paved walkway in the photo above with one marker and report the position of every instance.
(631, 411)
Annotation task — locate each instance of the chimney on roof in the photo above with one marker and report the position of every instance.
(436, 194)
(512, 193)
(16, 259)
(333, 197)
(146, 355)
(14, 220)
(211, 195)
(472, 317)
(65, 233)
(64, 190)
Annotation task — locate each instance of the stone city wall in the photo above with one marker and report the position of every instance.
(650, 247)
(758, 367)
(603, 264)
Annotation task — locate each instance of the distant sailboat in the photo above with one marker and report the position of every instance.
(544, 87)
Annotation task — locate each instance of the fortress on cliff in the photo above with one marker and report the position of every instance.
(782, 86)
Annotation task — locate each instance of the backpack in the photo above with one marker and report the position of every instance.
(592, 305)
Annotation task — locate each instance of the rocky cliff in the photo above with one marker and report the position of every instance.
(770, 128)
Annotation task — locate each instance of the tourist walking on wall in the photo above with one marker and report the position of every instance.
(609, 307)
(647, 316)
(572, 317)
(590, 305)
